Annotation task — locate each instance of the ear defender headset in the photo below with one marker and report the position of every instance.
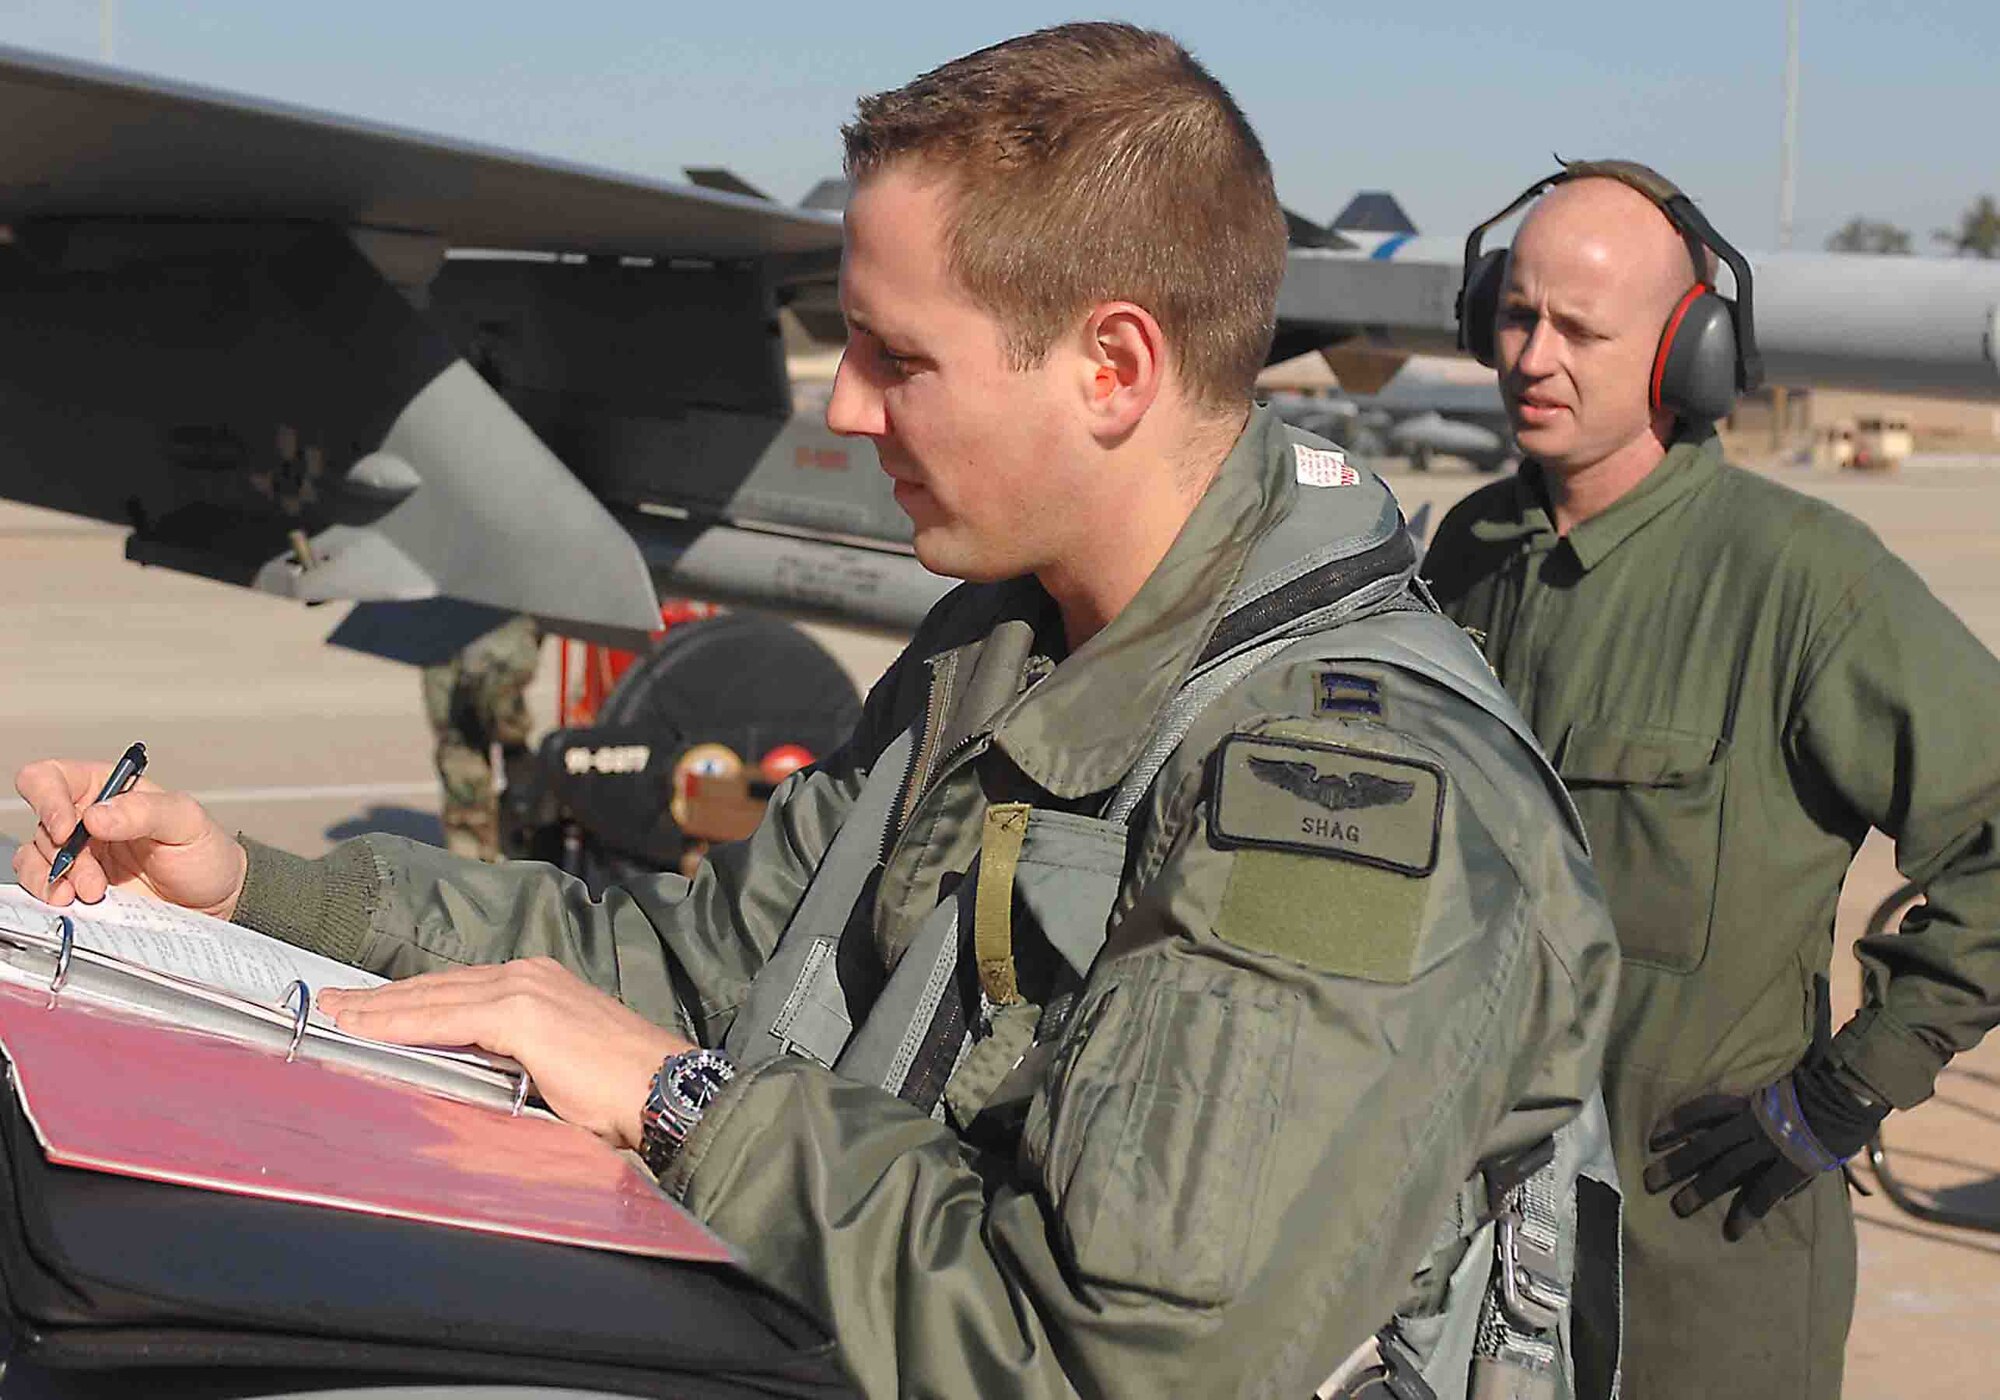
(1708, 351)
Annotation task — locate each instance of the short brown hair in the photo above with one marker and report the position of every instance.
(1089, 163)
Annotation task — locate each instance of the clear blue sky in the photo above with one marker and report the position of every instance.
(1451, 105)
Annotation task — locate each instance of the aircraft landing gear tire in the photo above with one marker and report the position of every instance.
(1420, 459)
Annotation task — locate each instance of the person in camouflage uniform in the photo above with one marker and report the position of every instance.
(476, 701)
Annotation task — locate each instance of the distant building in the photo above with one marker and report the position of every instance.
(1838, 427)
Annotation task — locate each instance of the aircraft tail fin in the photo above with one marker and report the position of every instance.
(1373, 211)
(724, 180)
(830, 193)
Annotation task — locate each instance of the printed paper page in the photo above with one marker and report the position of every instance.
(187, 944)
(223, 957)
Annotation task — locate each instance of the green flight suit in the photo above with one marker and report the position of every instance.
(1736, 682)
(1280, 1071)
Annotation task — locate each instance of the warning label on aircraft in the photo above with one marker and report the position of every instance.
(1324, 466)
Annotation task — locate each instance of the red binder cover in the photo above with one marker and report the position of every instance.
(117, 1092)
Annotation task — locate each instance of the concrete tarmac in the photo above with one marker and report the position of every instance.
(301, 744)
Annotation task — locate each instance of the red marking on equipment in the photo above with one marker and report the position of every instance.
(783, 761)
(1667, 339)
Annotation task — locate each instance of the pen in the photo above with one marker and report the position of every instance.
(124, 772)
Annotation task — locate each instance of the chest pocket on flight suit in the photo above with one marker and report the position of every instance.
(1150, 1111)
(1651, 800)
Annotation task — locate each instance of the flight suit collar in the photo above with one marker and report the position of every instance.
(1528, 516)
(1691, 463)
(1079, 728)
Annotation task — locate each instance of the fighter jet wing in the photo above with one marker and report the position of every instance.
(235, 325)
(84, 140)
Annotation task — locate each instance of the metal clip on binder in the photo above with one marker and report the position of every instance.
(67, 932)
(304, 993)
(523, 1083)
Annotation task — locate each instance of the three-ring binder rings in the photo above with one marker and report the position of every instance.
(158, 1043)
(149, 957)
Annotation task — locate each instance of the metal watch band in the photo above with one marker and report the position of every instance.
(681, 1091)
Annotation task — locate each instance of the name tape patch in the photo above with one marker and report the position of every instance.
(1328, 799)
(1323, 466)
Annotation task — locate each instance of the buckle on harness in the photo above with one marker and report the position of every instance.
(1530, 1289)
(1384, 1368)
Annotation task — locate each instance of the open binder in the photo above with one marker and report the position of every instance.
(123, 1066)
(191, 970)
(211, 1182)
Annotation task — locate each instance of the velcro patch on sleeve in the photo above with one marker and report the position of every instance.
(1347, 919)
(1327, 799)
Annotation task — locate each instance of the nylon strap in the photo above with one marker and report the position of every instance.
(993, 906)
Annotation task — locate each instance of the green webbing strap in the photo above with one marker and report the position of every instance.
(993, 906)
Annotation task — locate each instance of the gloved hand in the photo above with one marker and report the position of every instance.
(1767, 1146)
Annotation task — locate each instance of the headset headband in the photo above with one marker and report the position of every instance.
(1688, 221)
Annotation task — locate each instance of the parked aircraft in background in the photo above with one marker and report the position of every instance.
(1378, 302)
(1434, 407)
(1926, 326)
(334, 360)
(1386, 404)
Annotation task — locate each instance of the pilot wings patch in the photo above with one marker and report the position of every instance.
(1330, 790)
(1328, 799)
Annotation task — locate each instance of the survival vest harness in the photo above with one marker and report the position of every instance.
(1336, 581)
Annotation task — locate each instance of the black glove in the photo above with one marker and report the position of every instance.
(1764, 1147)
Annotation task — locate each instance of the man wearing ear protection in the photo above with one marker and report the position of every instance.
(1736, 682)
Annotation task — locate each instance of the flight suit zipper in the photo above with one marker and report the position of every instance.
(930, 730)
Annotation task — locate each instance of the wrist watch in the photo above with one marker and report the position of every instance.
(683, 1089)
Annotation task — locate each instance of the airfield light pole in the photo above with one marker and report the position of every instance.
(1789, 143)
(1788, 158)
(107, 30)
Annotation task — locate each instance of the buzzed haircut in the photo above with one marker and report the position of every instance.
(1089, 163)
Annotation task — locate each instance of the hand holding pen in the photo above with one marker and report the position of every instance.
(162, 844)
(126, 771)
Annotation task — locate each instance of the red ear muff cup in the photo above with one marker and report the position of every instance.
(1695, 368)
(1666, 350)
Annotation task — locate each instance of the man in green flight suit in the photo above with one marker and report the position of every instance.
(1736, 682)
(1040, 1053)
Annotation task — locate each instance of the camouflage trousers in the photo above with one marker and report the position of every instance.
(476, 702)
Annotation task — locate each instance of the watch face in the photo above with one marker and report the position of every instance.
(697, 1081)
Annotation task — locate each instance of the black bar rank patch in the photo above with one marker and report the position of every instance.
(1344, 693)
(1327, 799)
